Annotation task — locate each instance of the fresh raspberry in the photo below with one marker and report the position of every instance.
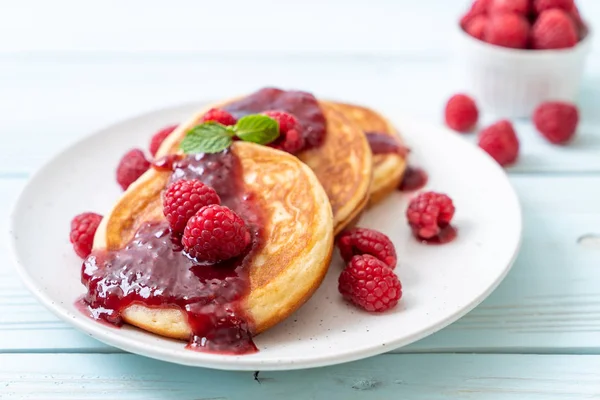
(553, 29)
(132, 166)
(476, 27)
(83, 229)
(220, 116)
(359, 241)
(540, 6)
(290, 132)
(428, 213)
(159, 137)
(578, 21)
(556, 120)
(479, 7)
(461, 113)
(507, 30)
(509, 6)
(370, 284)
(184, 198)
(500, 141)
(215, 233)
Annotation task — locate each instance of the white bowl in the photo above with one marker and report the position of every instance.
(511, 83)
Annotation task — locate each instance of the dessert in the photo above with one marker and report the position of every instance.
(389, 153)
(138, 273)
(219, 239)
(334, 147)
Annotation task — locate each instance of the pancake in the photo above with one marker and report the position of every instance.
(283, 273)
(388, 168)
(342, 163)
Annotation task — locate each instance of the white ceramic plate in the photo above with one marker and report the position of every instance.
(440, 283)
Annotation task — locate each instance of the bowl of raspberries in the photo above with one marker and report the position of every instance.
(515, 54)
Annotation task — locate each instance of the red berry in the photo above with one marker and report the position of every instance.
(220, 116)
(428, 213)
(476, 27)
(500, 141)
(359, 241)
(183, 199)
(553, 29)
(159, 137)
(578, 21)
(479, 7)
(509, 6)
(461, 113)
(131, 167)
(83, 229)
(290, 132)
(542, 5)
(507, 30)
(215, 233)
(370, 284)
(556, 120)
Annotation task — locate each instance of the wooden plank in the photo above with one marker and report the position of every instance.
(431, 377)
(548, 303)
(49, 103)
(322, 26)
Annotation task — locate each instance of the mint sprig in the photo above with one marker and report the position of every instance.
(213, 137)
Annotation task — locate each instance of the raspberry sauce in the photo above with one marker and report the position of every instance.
(381, 143)
(152, 270)
(304, 106)
(446, 235)
(414, 179)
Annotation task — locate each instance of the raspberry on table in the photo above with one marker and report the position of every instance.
(160, 137)
(556, 121)
(509, 6)
(479, 7)
(507, 30)
(461, 113)
(83, 229)
(183, 199)
(290, 132)
(476, 27)
(428, 213)
(132, 165)
(359, 241)
(370, 284)
(554, 29)
(500, 141)
(541, 5)
(220, 116)
(215, 233)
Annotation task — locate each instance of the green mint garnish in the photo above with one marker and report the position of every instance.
(209, 137)
(212, 137)
(257, 129)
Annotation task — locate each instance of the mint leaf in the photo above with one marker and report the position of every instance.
(209, 137)
(257, 129)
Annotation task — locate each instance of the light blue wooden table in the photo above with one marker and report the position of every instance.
(69, 67)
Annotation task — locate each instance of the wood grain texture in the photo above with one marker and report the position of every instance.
(430, 377)
(548, 303)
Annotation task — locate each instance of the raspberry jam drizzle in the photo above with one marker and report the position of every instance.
(152, 270)
(447, 234)
(414, 179)
(381, 143)
(304, 106)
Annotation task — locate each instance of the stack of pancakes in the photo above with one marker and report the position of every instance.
(305, 200)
